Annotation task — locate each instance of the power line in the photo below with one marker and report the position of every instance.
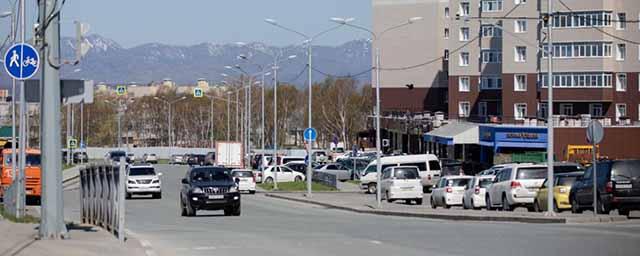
(347, 76)
(298, 76)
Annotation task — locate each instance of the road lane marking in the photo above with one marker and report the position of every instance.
(375, 242)
(204, 248)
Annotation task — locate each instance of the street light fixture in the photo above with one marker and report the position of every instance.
(375, 37)
(6, 14)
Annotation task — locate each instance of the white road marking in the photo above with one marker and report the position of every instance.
(375, 242)
(204, 248)
(145, 243)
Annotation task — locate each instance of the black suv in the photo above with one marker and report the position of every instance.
(195, 159)
(618, 186)
(209, 188)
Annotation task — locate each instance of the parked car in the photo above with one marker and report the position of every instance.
(285, 174)
(114, 156)
(618, 187)
(491, 171)
(210, 158)
(428, 165)
(150, 158)
(298, 166)
(342, 172)
(176, 159)
(209, 188)
(516, 185)
(80, 157)
(401, 183)
(360, 164)
(245, 179)
(475, 192)
(562, 184)
(143, 180)
(282, 160)
(449, 191)
(131, 158)
(195, 159)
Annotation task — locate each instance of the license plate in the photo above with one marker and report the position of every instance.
(216, 196)
(624, 186)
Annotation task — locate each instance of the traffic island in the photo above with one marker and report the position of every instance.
(366, 204)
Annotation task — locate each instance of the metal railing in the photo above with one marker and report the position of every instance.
(102, 196)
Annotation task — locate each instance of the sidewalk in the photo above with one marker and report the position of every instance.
(20, 239)
(363, 203)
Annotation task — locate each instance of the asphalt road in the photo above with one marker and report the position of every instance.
(276, 227)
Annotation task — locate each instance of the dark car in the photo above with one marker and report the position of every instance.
(116, 155)
(195, 159)
(209, 188)
(618, 187)
(80, 157)
(300, 167)
(210, 158)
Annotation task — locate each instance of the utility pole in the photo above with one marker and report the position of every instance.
(20, 188)
(309, 143)
(550, 159)
(275, 123)
(52, 221)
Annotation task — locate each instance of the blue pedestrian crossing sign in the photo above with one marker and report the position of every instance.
(197, 92)
(310, 134)
(21, 61)
(121, 90)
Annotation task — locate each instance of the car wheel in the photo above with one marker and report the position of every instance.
(505, 204)
(433, 203)
(372, 188)
(487, 202)
(190, 210)
(623, 212)
(536, 206)
(555, 207)
(269, 180)
(386, 195)
(297, 179)
(464, 204)
(419, 201)
(446, 206)
(602, 209)
(183, 211)
(575, 207)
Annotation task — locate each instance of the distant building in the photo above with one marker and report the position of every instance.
(168, 82)
(202, 83)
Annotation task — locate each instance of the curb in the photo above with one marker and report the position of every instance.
(533, 220)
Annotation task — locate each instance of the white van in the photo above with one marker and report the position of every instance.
(428, 164)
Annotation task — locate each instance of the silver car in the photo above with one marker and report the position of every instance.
(342, 172)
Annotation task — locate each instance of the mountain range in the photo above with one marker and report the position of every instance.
(109, 62)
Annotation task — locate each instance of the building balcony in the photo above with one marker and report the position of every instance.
(559, 121)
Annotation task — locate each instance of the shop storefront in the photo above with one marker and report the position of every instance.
(504, 141)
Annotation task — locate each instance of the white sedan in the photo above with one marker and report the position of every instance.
(285, 174)
(245, 179)
(448, 192)
(474, 195)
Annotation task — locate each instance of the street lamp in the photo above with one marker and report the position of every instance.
(308, 41)
(120, 107)
(375, 37)
(170, 104)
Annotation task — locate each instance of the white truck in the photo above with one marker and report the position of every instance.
(229, 154)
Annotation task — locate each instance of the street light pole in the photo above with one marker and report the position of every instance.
(275, 123)
(550, 54)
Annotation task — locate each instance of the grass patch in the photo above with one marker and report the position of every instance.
(354, 182)
(163, 161)
(67, 166)
(296, 186)
(26, 219)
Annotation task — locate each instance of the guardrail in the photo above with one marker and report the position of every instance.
(102, 196)
(327, 179)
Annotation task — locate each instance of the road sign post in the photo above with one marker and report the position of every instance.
(595, 134)
(310, 135)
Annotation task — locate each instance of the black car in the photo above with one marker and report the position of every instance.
(116, 155)
(618, 187)
(80, 157)
(209, 188)
(195, 159)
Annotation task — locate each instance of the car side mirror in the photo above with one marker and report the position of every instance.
(185, 181)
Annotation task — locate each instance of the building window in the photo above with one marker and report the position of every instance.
(464, 34)
(491, 56)
(520, 111)
(579, 50)
(446, 12)
(579, 80)
(491, 31)
(464, 9)
(621, 111)
(490, 83)
(621, 82)
(482, 108)
(463, 84)
(566, 109)
(464, 59)
(596, 110)
(621, 52)
(463, 109)
(520, 26)
(446, 54)
(581, 19)
(520, 83)
(446, 33)
(542, 110)
(622, 21)
(520, 54)
(491, 5)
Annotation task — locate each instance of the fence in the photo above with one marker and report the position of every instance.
(102, 196)
(327, 179)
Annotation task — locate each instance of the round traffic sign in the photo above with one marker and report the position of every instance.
(595, 132)
(310, 134)
(21, 61)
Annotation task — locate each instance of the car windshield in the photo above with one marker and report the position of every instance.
(406, 174)
(117, 154)
(243, 174)
(532, 173)
(566, 168)
(485, 182)
(626, 170)
(208, 175)
(141, 171)
(434, 165)
(457, 182)
(32, 160)
(566, 180)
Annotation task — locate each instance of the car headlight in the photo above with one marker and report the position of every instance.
(155, 181)
(196, 190)
(131, 182)
(233, 189)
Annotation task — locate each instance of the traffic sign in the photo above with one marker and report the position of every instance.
(198, 93)
(310, 134)
(21, 61)
(72, 143)
(83, 145)
(121, 90)
(595, 132)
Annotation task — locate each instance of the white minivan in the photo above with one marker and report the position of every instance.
(428, 165)
(401, 183)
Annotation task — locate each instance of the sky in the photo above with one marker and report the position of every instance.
(189, 22)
